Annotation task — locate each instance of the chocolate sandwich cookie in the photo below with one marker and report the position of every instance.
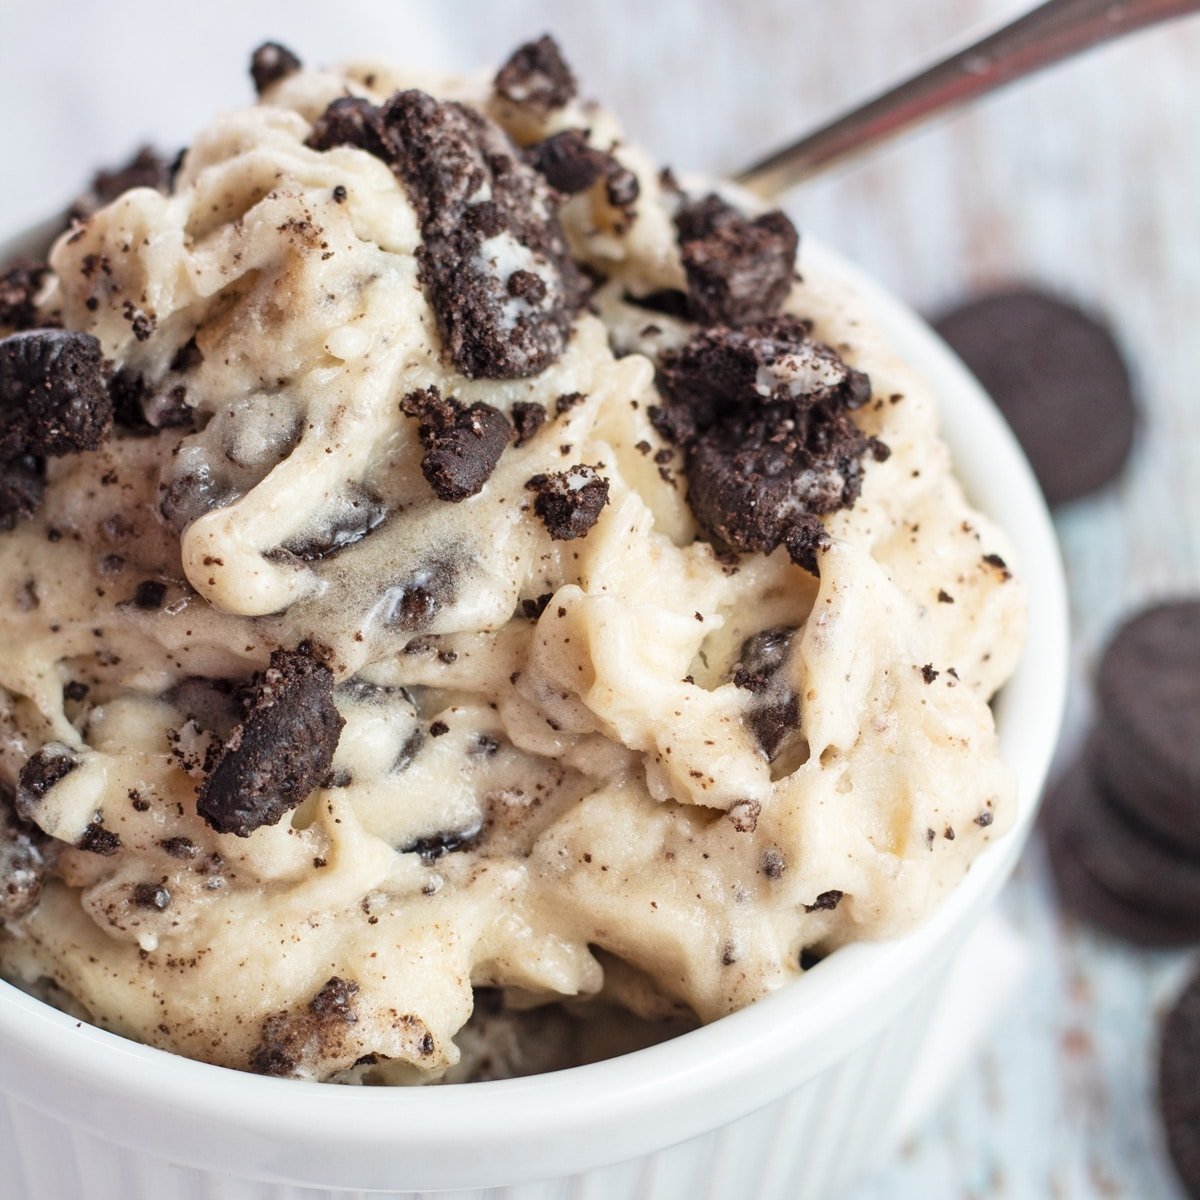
(1114, 875)
(1148, 687)
(1179, 1085)
(1058, 377)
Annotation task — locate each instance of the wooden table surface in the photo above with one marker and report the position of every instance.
(1086, 181)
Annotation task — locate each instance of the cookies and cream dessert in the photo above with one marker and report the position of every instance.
(450, 566)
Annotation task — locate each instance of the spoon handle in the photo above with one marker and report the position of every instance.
(1049, 33)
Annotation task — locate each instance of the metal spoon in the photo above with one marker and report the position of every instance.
(1046, 35)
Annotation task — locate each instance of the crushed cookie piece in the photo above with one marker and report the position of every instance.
(536, 76)
(569, 502)
(282, 749)
(462, 445)
(270, 63)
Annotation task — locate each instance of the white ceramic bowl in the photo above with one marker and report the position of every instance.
(790, 1098)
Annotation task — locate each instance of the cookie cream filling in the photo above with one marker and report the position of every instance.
(443, 601)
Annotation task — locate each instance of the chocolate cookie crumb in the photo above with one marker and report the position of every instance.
(569, 502)
(147, 168)
(22, 862)
(738, 269)
(447, 154)
(180, 847)
(566, 161)
(282, 749)
(149, 595)
(152, 895)
(928, 673)
(462, 445)
(772, 863)
(528, 417)
(41, 772)
(98, 840)
(568, 401)
(53, 395)
(763, 415)
(270, 63)
(433, 846)
(335, 1000)
(22, 487)
(825, 902)
(19, 285)
(536, 76)
(352, 121)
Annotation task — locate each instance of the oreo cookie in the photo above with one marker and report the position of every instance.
(22, 862)
(738, 268)
(536, 76)
(462, 444)
(282, 749)
(54, 398)
(498, 270)
(774, 714)
(763, 416)
(1179, 1085)
(1148, 687)
(147, 168)
(569, 502)
(22, 486)
(270, 63)
(1060, 380)
(566, 161)
(1115, 873)
(20, 283)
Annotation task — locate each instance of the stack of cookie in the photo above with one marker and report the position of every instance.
(1123, 826)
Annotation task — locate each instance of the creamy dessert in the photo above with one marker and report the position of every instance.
(450, 566)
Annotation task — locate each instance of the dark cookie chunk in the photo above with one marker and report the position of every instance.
(477, 254)
(536, 76)
(147, 168)
(569, 502)
(21, 489)
(20, 283)
(528, 417)
(22, 862)
(292, 1041)
(763, 415)
(270, 63)
(345, 521)
(433, 846)
(761, 656)
(567, 162)
(1086, 840)
(282, 749)
(95, 839)
(53, 395)
(738, 269)
(139, 407)
(41, 772)
(414, 602)
(1179, 1086)
(1059, 379)
(352, 121)
(825, 902)
(462, 445)
(774, 714)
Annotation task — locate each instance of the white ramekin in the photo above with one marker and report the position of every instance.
(794, 1097)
